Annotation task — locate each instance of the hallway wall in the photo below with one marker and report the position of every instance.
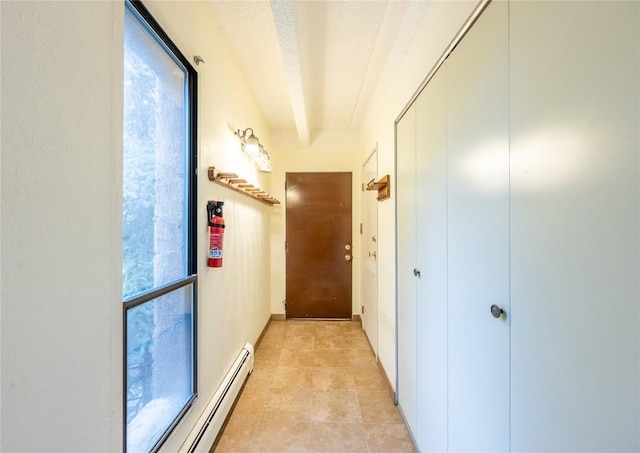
(234, 300)
(61, 276)
(442, 22)
(61, 309)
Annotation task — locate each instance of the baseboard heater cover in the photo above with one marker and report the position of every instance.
(208, 426)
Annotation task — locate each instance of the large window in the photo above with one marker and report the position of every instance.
(158, 243)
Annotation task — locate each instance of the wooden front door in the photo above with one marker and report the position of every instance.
(318, 245)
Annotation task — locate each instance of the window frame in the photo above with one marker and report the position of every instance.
(191, 277)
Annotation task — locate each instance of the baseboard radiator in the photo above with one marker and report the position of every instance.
(206, 430)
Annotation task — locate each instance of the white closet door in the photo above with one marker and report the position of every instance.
(478, 202)
(406, 234)
(575, 224)
(431, 310)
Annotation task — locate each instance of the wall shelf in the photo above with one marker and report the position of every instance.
(233, 182)
(383, 186)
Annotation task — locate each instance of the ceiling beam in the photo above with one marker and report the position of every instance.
(284, 19)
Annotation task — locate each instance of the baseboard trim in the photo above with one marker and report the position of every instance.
(264, 330)
(278, 317)
(387, 380)
(357, 318)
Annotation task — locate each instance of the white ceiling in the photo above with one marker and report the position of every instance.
(316, 64)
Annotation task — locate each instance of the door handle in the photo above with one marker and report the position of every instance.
(496, 311)
(416, 272)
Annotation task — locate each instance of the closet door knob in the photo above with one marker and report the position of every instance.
(496, 311)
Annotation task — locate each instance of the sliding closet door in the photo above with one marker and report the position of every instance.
(406, 267)
(431, 309)
(575, 226)
(478, 230)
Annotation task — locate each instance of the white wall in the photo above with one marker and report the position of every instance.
(61, 314)
(330, 150)
(442, 22)
(61, 261)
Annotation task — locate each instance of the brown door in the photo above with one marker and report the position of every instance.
(318, 245)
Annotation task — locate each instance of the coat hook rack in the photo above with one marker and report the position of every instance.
(237, 184)
(383, 186)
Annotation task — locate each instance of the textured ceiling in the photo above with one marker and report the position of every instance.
(316, 64)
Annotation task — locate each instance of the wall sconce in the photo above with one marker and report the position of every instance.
(252, 147)
(263, 162)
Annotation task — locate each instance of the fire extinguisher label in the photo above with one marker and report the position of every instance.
(215, 245)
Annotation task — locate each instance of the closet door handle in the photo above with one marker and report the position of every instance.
(496, 311)
(416, 272)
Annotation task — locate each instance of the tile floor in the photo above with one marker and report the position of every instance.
(315, 387)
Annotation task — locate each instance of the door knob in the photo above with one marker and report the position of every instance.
(347, 257)
(496, 311)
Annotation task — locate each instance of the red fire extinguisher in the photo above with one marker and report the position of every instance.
(216, 233)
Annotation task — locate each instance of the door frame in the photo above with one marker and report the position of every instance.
(369, 310)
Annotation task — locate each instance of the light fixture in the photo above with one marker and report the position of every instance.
(263, 162)
(252, 147)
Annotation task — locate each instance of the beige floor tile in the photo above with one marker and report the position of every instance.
(389, 438)
(369, 378)
(297, 357)
(316, 387)
(293, 377)
(261, 377)
(273, 342)
(336, 438)
(238, 435)
(332, 343)
(289, 404)
(301, 329)
(252, 401)
(300, 342)
(335, 406)
(278, 436)
(334, 378)
(331, 358)
(358, 342)
(329, 330)
(268, 357)
(362, 358)
(378, 407)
